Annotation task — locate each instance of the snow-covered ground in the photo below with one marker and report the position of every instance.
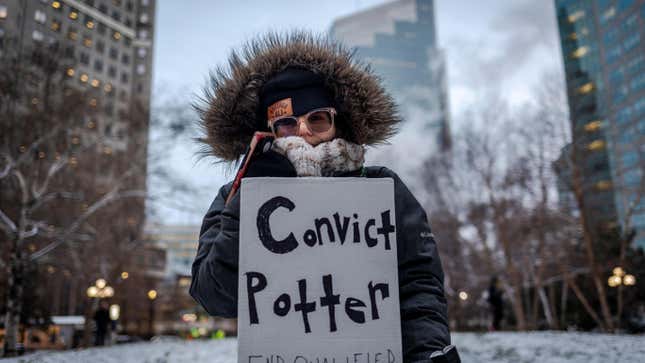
(542, 347)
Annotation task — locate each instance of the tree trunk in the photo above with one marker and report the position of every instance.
(15, 270)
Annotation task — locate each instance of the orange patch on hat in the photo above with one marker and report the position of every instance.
(280, 109)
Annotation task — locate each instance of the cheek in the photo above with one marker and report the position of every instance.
(316, 139)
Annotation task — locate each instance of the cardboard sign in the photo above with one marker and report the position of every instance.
(318, 276)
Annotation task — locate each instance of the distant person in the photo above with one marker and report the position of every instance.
(309, 93)
(102, 320)
(496, 303)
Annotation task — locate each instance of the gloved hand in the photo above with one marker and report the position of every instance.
(267, 164)
(272, 164)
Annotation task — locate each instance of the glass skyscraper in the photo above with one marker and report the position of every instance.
(603, 47)
(398, 39)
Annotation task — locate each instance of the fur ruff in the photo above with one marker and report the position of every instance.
(229, 112)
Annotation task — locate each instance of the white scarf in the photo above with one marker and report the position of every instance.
(324, 159)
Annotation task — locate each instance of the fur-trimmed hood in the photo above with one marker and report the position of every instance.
(229, 109)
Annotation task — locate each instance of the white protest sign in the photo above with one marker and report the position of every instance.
(318, 276)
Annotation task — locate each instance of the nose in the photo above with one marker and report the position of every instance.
(303, 130)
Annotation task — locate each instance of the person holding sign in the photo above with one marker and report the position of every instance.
(315, 108)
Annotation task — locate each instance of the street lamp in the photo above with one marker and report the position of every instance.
(100, 289)
(115, 312)
(152, 295)
(620, 277)
(463, 295)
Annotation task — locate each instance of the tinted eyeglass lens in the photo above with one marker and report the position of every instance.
(319, 121)
(287, 126)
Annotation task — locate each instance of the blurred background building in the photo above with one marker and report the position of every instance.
(399, 41)
(111, 42)
(102, 51)
(180, 244)
(603, 46)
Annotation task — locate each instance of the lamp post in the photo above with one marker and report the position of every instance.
(152, 295)
(99, 290)
(620, 277)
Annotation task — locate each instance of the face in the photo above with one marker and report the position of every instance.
(315, 127)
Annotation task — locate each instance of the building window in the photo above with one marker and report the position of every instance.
(107, 88)
(576, 15)
(3, 11)
(73, 14)
(141, 52)
(69, 52)
(71, 34)
(116, 15)
(125, 59)
(127, 42)
(100, 28)
(87, 41)
(39, 16)
(143, 19)
(143, 34)
(55, 26)
(129, 6)
(128, 22)
(144, 2)
(89, 2)
(84, 77)
(116, 35)
(141, 69)
(112, 71)
(98, 65)
(596, 145)
(585, 88)
(124, 77)
(57, 5)
(139, 87)
(580, 52)
(37, 36)
(114, 53)
(95, 83)
(103, 8)
(89, 22)
(85, 58)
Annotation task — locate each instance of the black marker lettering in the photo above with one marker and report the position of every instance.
(264, 229)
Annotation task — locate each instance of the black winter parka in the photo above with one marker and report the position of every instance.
(424, 323)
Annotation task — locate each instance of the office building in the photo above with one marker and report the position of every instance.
(603, 46)
(398, 39)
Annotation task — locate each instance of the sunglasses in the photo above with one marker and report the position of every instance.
(317, 121)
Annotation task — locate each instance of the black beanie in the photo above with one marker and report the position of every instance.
(293, 91)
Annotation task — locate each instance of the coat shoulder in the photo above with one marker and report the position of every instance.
(380, 172)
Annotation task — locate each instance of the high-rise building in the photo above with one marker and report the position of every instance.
(110, 41)
(100, 50)
(399, 40)
(603, 46)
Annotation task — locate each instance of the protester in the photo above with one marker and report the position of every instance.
(496, 304)
(102, 320)
(323, 107)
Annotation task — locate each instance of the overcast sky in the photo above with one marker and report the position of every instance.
(491, 47)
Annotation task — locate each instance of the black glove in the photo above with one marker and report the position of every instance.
(270, 163)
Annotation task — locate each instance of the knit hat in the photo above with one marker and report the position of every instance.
(294, 91)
